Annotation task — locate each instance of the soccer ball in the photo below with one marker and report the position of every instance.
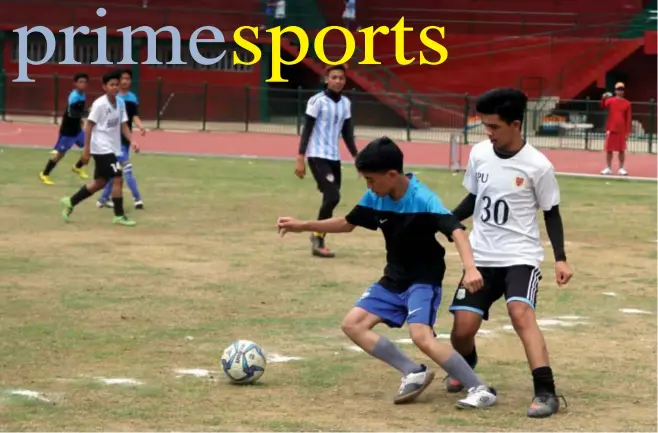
(243, 362)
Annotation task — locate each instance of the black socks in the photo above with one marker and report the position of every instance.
(542, 378)
(82, 194)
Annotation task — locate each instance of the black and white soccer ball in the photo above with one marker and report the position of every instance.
(244, 362)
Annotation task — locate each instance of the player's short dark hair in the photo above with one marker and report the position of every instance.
(127, 71)
(380, 156)
(509, 104)
(113, 75)
(80, 76)
(329, 68)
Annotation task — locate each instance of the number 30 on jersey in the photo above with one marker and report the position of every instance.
(496, 211)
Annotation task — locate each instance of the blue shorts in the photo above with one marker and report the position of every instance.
(64, 143)
(419, 304)
(125, 153)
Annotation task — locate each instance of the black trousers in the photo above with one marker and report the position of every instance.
(328, 176)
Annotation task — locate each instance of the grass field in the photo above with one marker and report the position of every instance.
(86, 300)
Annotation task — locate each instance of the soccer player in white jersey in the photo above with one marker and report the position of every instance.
(508, 181)
(106, 122)
(328, 116)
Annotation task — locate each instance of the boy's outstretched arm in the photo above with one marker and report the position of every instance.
(331, 225)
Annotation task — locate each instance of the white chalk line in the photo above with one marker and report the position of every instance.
(30, 395)
(634, 311)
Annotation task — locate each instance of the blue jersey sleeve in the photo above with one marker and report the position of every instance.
(76, 105)
(364, 214)
(444, 221)
(132, 103)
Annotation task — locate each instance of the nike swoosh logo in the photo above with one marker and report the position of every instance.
(414, 311)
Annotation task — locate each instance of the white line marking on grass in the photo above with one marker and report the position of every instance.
(482, 332)
(276, 358)
(612, 294)
(196, 372)
(560, 321)
(119, 381)
(634, 311)
(32, 395)
(570, 317)
(354, 348)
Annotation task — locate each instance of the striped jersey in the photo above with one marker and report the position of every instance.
(329, 118)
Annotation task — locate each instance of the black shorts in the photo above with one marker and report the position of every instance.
(516, 283)
(326, 172)
(106, 167)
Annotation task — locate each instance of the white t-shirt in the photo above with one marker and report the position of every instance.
(509, 194)
(329, 118)
(108, 118)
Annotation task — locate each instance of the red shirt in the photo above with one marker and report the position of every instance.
(619, 115)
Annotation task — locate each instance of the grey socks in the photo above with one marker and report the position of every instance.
(458, 368)
(388, 352)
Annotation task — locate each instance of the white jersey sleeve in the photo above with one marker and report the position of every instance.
(470, 177)
(124, 112)
(547, 190)
(348, 108)
(96, 112)
(313, 107)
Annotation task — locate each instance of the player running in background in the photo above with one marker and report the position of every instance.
(328, 116)
(617, 128)
(70, 130)
(132, 108)
(507, 181)
(106, 121)
(409, 216)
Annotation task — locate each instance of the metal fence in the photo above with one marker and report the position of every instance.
(568, 124)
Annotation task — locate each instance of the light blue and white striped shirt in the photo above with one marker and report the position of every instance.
(329, 118)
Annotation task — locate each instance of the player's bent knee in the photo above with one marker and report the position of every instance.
(465, 325)
(521, 314)
(357, 321)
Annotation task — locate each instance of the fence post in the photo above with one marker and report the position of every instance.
(652, 122)
(408, 115)
(3, 95)
(298, 114)
(467, 109)
(247, 107)
(55, 97)
(588, 102)
(204, 113)
(158, 103)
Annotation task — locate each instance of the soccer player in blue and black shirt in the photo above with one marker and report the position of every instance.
(409, 215)
(70, 130)
(132, 108)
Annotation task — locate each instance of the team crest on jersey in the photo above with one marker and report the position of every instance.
(519, 181)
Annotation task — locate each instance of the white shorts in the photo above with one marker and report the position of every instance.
(349, 14)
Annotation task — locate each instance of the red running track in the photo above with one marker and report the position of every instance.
(285, 146)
